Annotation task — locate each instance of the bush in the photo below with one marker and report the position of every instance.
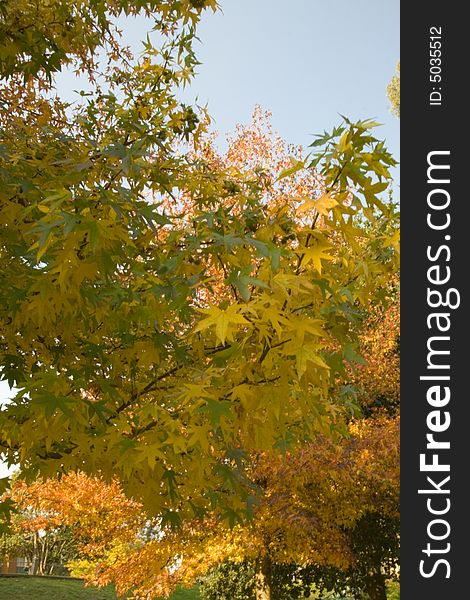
(229, 581)
(236, 581)
(393, 591)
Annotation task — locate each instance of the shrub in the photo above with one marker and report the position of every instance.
(229, 581)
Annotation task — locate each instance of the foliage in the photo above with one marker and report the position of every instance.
(46, 551)
(393, 591)
(314, 503)
(40, 38)
(376, 379)
(173, 317)
(164, 347)
(375, 543)
(374, 538)
(56, 522)
(229, 581)
(237, 581)
(393, 92)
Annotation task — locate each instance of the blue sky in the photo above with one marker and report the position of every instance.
(304, 60)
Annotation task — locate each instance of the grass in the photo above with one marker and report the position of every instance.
(182, 594)
(38, 588)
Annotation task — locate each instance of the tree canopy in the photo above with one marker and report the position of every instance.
(160, 317)
(393, 92)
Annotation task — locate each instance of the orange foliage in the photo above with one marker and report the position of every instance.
(378, 380)
(101, 511)
(256, 156)
(310, 499)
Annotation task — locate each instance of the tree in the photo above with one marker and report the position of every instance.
(125, 360)
(75, 522)
(317, 505)
(46, 551)
(166, 315)
(122, 363)
(393, 92)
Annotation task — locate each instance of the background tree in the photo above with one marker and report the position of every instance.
(311, 521)
(229, 581)
(393, 92)
(46, 551)
(78, 520)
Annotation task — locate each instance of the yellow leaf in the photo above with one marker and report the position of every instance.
(307, 353)
(315, 254)
(322, 205)
(343, 142)
(296, 166)
(302, 325)
(223, 321)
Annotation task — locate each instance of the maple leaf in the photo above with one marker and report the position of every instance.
(224, 321)
(322, 205)
(315, 254)
(308, 353)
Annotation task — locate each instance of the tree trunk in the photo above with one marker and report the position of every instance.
(375, 586)
(263, 578)
(34, 559)
(44, 554)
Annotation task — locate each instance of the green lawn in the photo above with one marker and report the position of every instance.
(37, 588)
(186, 595)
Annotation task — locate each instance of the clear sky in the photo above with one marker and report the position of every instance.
(304, 60)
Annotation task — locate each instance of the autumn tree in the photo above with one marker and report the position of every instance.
(164, 347)
(393, 92)
(168, 314)
(46, 551)
(313, 512)
(259, 269)
(79, 520)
